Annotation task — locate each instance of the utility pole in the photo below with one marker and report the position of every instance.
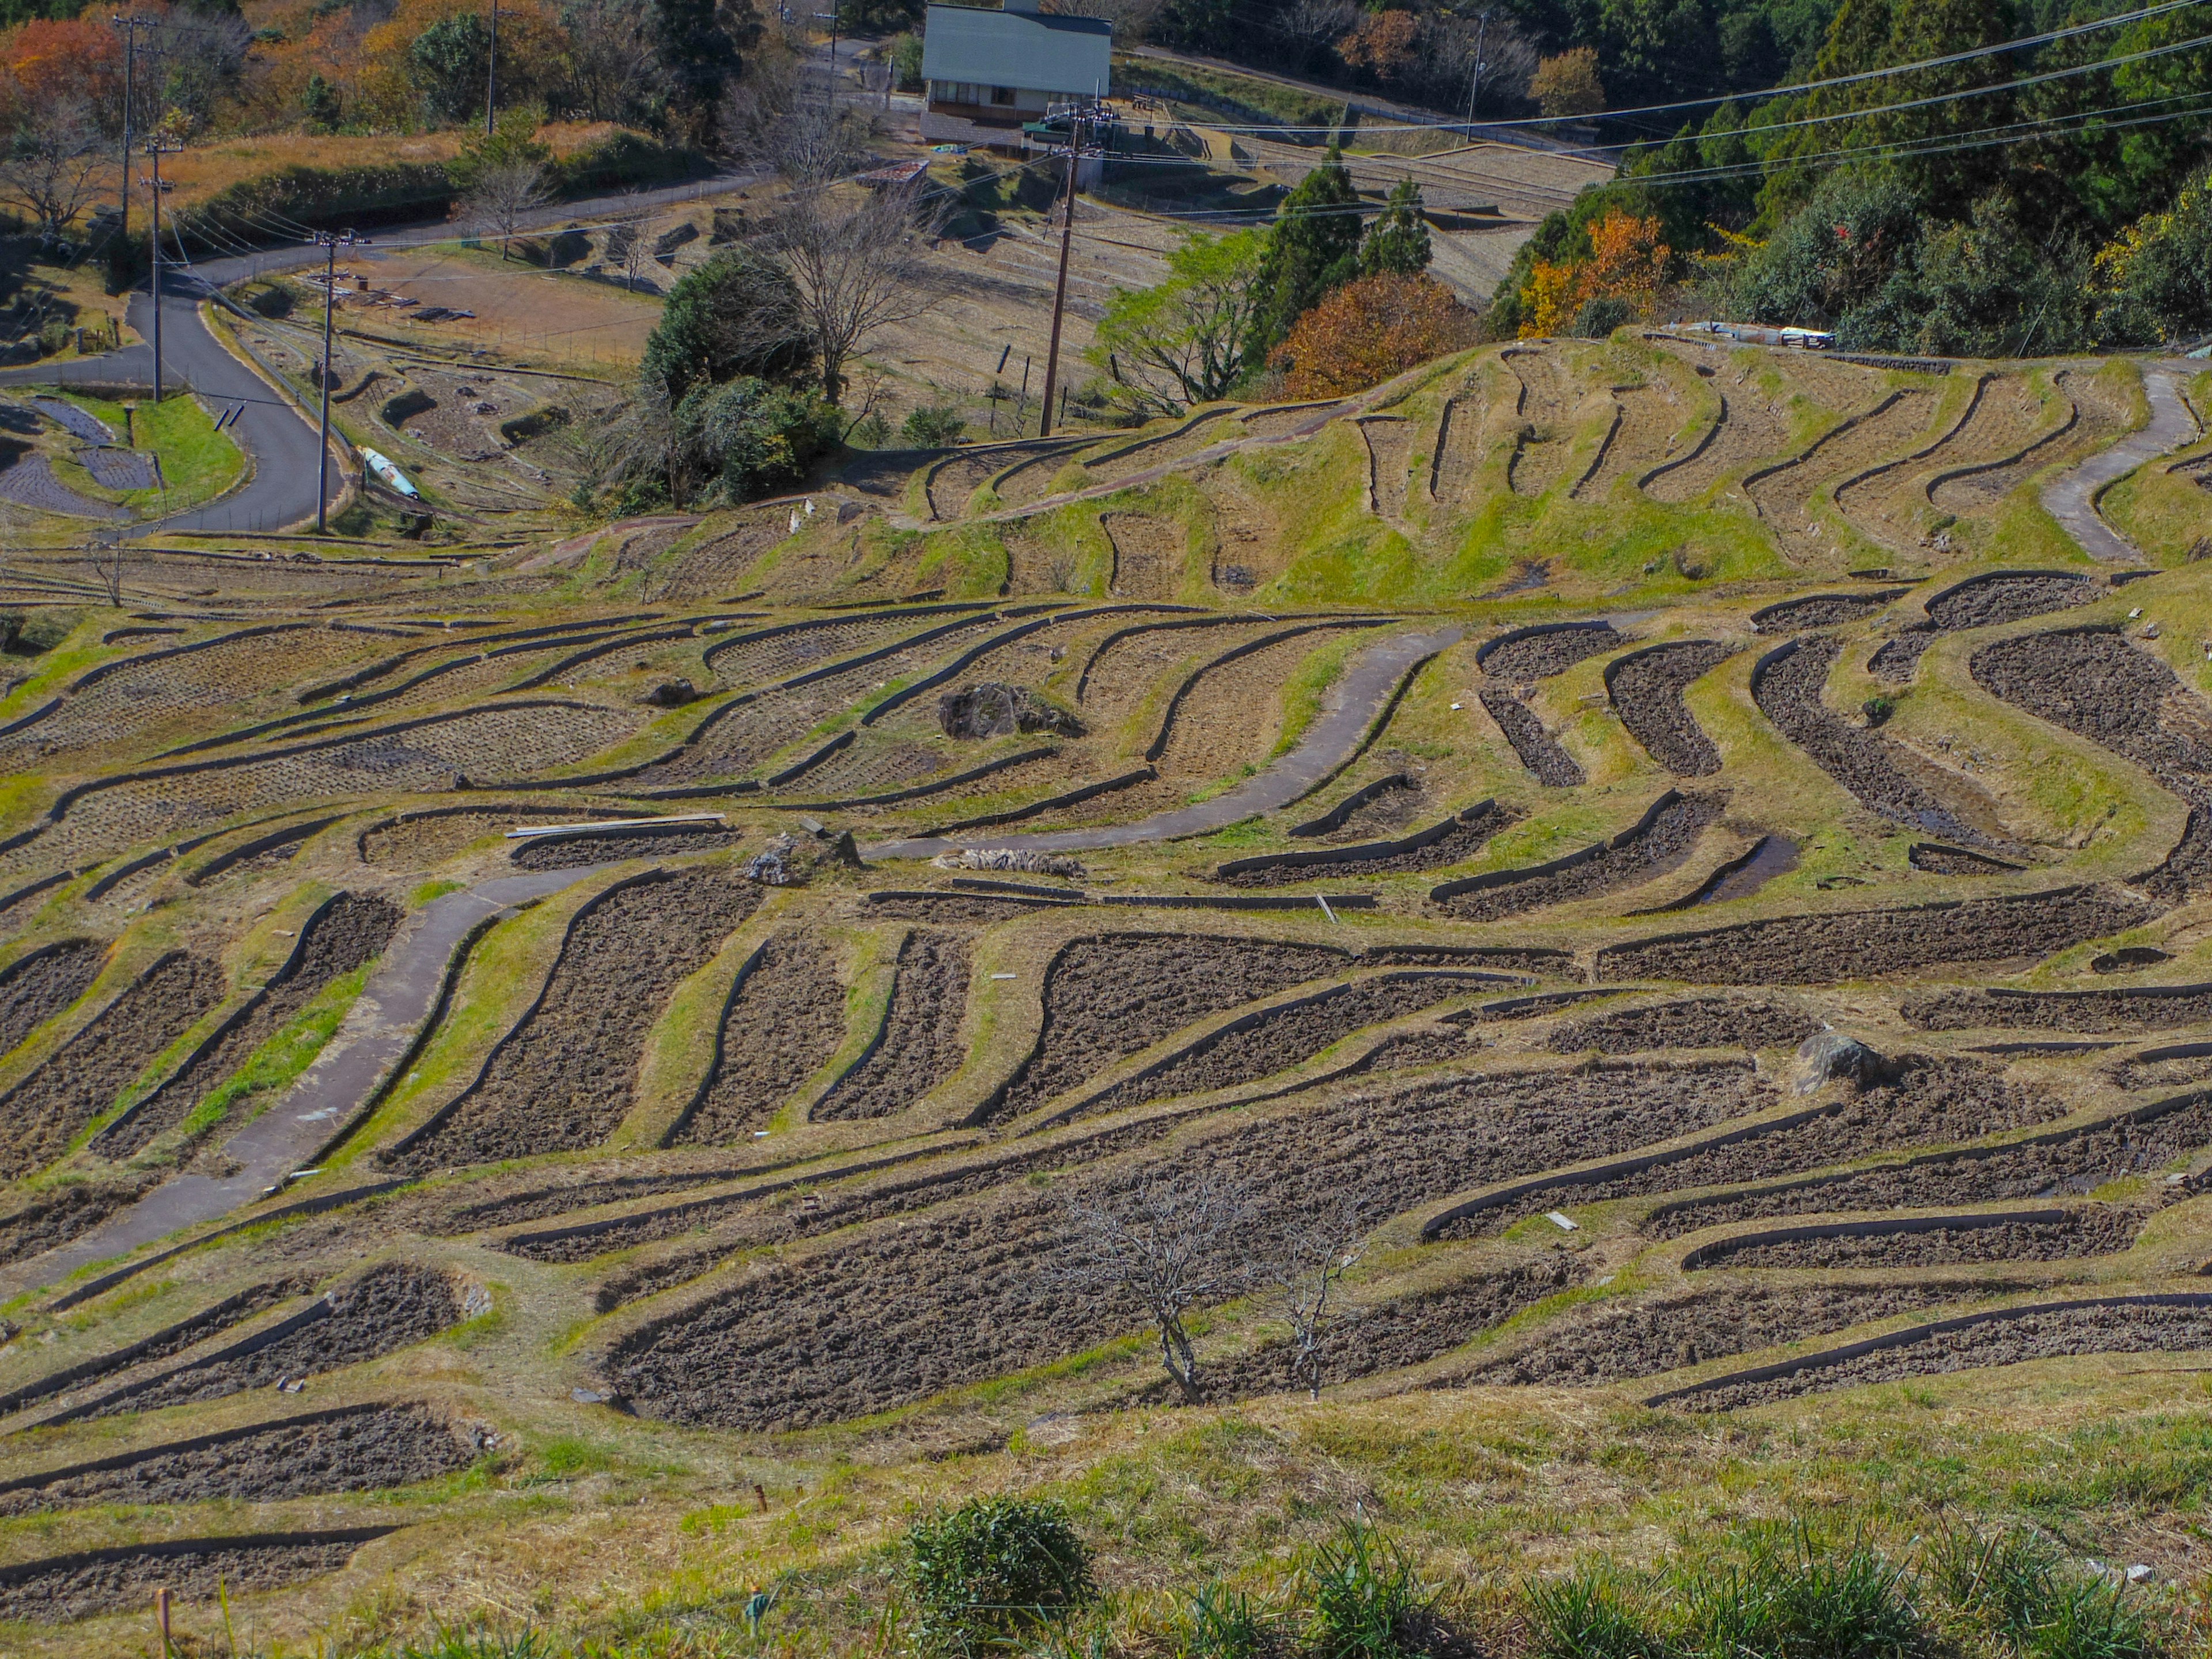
(130, 26)
(491, 72)
(331, 242)
(1474, 78)
(830, 94)
(157, 149)
(1060, 288)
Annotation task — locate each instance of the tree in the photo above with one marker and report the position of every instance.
(1185, 340)
(449, 62)
(699, 55)
(1305, 1263)
(54, 166)
(1567, 85)
(319, 103)
(612, 67)
(1312, 26)
(1166, 1246)
(1381, 44)
(737, 314)
(1398, 241)
(502, 176)
(2155, 278)
(1369, 330)
(1627, 262)
(1315, 248)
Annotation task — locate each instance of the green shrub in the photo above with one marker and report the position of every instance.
(1588, 1614)
(32, 633)
(991, 1569)
(933, 426)
(2017, 1585)
(1363, 1591)
(1799, 1598)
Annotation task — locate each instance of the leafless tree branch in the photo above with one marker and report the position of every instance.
(1169, 1245)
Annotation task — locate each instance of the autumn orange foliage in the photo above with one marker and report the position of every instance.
(1383, 43)
(1369, 330)
(49, 61)
(1628, 262)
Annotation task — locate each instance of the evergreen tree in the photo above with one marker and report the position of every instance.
(1315, 248)
(699, 56)
(1397, 244)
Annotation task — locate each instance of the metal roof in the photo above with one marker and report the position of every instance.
(1069, 55)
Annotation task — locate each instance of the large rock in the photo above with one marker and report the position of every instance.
(994, 710)
(1829, 1056)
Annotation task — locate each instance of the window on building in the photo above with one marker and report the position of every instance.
(1002, 94)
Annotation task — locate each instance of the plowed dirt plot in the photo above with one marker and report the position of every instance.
(1660, 845)
(40, 983)
(2166, 1072)
(1895, 660)
(82, 1078)
(967, 1292)
(1881, 773)
(1784, 495)
(2071, 429)
(1458, 452)
(1539, 751)
(1110, 995)
(386, 1308)
(1752, 427)
(2094, 684)
(419, 843)
(2078, 1161)
(1458, 844)
(55, 1216)
(2126, 1328)
(2093, 1231)
(1171, 445)
(428, 759)
(2006, 596)
(1250, 545)
(1149, 555)
(920, 1046)
(31, 483)
(1935, 1102)
(1700, 1023)
(560, 1080)
(576, 852)
(1647, 692)
(1644, 1338)
(111, 1581)
(1820, 610)
(1955, 861)
(785, 1018)
(349, 933)
(357, 1449)
(1389, 1336)
(954, 482)
(753, 659)
(740, 735)
(1543, 407)
(870, 767)
(1120, 676)
(1641, 438)
(238, 673)
(1282, 1037)
(233, 1309)
(1390, 442)
(1540, 654)
(2149, 1008)
(1857, 945)
(1889, 503)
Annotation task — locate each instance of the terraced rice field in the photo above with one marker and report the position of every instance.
(384, 1188)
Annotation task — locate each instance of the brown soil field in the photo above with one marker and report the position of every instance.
(1752, 427)
(2131, 1327)
(1646, 689)
(70, 1587)
(1470, 832)
(786, 1017)
(1820, 610)
(232, 1310)
(1525, 656)
(1550, 765)
(59, 1214)
(2092, 1230)
(1636, 856)
(2140, 1008)
(1782, 495)
(1389, 440)
(561, 1078)
(1699, 1023)
(919, 1046)
(1640, 439)
(40, 983)
(1862, 944)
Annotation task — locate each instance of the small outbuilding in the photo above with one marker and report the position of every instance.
(991, 72)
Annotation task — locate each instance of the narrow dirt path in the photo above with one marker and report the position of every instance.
(385, 1018)
(2071, 497)
(1331, 740)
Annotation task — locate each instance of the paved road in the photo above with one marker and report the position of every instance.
(1346, 713)
(2071, 497)
(384, 1021)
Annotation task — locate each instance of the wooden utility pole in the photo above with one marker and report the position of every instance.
(491, 73)
(331, 242)
(156, 148)
(130, 26)
(1060, 288)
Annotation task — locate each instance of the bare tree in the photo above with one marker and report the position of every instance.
(504, 193)
(611, 55)
(1316, 25)
(1302, 1264)
(55, 164)
(1130, 18)
(1475, 61)
(1169, 1245)
(630, 251)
